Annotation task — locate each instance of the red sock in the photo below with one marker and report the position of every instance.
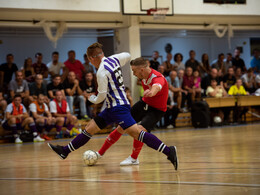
(110, 140)
(137, 147)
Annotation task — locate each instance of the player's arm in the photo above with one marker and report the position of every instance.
(156, 87)
(123, 57)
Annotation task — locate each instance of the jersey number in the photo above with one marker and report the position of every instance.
(119, 77)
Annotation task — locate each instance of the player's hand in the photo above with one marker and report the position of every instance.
(148, 93)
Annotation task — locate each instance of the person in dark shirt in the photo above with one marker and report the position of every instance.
(54, 86)
(154, 63)
(6, 72)
(237, 62)
(192, 62)
(229, 79)
(206, 81)
(39, 67)
(38, 87)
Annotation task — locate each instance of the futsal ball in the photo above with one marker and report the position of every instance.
(90, 157)
(217, 119)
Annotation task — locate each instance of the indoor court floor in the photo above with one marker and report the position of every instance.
(221, 160)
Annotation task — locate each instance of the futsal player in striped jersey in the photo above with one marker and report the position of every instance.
(111, 89)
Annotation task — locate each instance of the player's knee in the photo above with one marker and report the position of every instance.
(12, 121)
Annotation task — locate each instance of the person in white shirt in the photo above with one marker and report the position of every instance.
(249, 81)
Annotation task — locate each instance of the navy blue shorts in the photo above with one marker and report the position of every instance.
(118, 114)
(7, 127)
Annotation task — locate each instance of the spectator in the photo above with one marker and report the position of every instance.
(220, 63)
(19, 86)
(257, 79)
(74, 65)
(237, 61)
(228, 61)
(249, 81)
(192, 62)
(238, 73)
(237, 89)
(74, 95)
(6, 72)
(171, 113)
(60, 110)
(42, 116)
(38, 87)
(16, 118)
(188, 83)
(197, 84)
(55, 67)
(88, 67)
(215, 90)
(39, 67)
(128, 96)
(229, 79)
(168, 66)
(54, 86)
(28, 71)
(206, 81)
(161, 69)
(178, 62)
(255, 62)
(204, 65)
(154, 63)
(180, 76)
(174, 87)
(3, 102)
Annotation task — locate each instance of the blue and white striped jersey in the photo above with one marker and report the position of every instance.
(110, 81)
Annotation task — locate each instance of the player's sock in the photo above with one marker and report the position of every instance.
(77, 142)
(33, 127)
(14, 129)
(110, 140)
(137, 147)
(49, 128)
(58, 128)
(70, 126)
(153, 142)
(40, 127)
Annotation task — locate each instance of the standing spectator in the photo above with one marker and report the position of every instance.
(204, 65)
(39, 67)
(249, 81)
(28, 70)
(220, 63)
(74, 95)
(197, 84)
(16, 118)
(6, 72)
(237, 61)
(161, 69)
(255, 62)
(55, 67)
(168, 66)
(188, 83)
(74, 65)
(88, 67)
(229, 79)
(154, 63)
(228, 61)
(238, 73)
(54, 86)
(89, 87)
(38, 87)
(192, 62)
(178, 62)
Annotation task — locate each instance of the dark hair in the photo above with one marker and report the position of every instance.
(25, 63)
(139, 62)
(176, 55)
(38, 54)
(9, 55)
(229, 54)
(17, 95)
(71, 51)
(192, 51)
(127, 89)
(156, 51)
(55, 76)
(93, 48)
(213, 80)
(250, 70)
(40, 94)
(85, 55)
(55, 53)
(221, 54)
(205, 63)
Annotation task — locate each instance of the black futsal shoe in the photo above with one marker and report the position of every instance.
(58, 150)
(173, 157)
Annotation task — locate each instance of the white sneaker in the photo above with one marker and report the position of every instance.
(18, 140)
(38, 139)
(129, 161)
(170, 127)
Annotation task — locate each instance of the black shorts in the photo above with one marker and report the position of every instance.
(148, 115)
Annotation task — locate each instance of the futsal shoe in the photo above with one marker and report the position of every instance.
(98, 155)
(173, 157)
(18, 140)
(129, 161)
(38, 139)
(58, 150)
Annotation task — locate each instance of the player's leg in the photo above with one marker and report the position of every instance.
(10, 124)
(30, 122)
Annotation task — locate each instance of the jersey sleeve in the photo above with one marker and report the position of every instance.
(32, 107)
(122, 57)
(160, 81)
(53, 108)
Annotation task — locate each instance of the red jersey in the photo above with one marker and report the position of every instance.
(76, 67)
(159, 101)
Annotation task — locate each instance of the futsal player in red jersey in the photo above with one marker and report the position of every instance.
(147, 111)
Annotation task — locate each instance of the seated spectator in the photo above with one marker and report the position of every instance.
(74, 65)
(3, 103)
(57, 68)
(88, 67)
(238, 62)
(89, 87)
(215, 90)
(174, 87)
(6, 72)
(219, 65)
(255, 62)
(128, 96)
(229, 79)
(188, 83)
(204, 67)
(171, 113)
(42, 116)
(28, 71)
(184, 93)
(228, 61)
(16, 118)
(74, 95)
(37, 88)
(192, 62)
(54, 86)
(168, 66)
(257, 79)
(249, 81)
(237, 89)
(19, 86)
(154, 62)
(206, 81)
(161, 69)
(39, 67)
(60, 110)
(197, 84)
(238, 73)
(178, 62)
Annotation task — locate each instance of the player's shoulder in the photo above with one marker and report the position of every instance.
(156, 74)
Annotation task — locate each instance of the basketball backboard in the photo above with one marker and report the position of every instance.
(140, 7)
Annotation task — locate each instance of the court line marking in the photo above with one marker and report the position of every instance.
(133, 181)
(215, 173)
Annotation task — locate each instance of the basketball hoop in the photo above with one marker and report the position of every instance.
(158, 14)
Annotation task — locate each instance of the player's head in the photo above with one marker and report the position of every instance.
(58, 95)
(40, 99)
(17, 99)
(95, 54)
(140, 67)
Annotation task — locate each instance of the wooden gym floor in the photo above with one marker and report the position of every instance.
(222, 160)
